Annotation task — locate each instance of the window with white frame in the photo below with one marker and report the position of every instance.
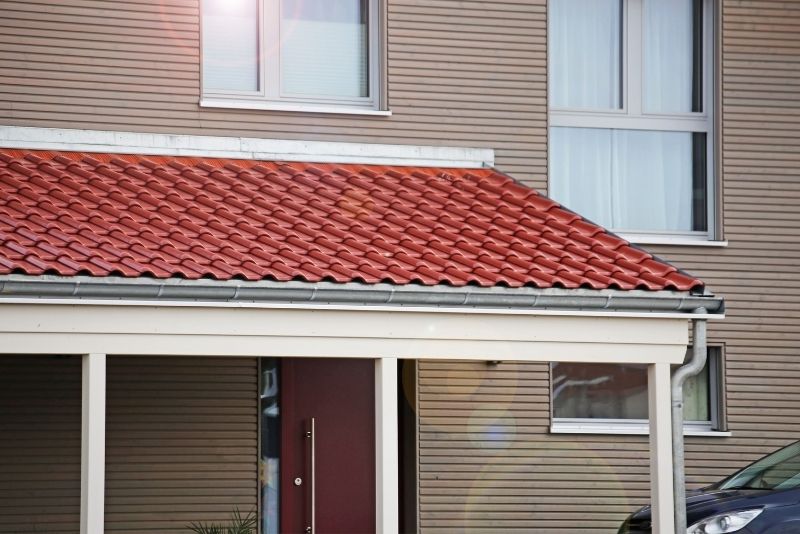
(630, 100)
(290, 52)
(613, 397)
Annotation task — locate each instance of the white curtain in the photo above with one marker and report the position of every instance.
(624, 179)
(581, 171)
(668, 56)
(585, 53)
(696, 397)
(230, 45)
(324, 48)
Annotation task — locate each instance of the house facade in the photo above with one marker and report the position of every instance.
(492, 441)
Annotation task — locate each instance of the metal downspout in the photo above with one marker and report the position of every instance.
(698, 361)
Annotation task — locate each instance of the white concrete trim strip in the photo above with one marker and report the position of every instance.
(93, 443)
(242, 147)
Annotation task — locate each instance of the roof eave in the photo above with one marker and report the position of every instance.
(358, 294)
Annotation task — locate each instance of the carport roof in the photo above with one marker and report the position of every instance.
(162, 217)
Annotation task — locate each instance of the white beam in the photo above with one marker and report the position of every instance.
(361, 322)
(386, 447)
(93, 446)
(363, 333)
(661, 497)
(340, 347)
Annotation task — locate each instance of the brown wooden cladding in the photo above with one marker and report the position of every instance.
(182, 442)
(40, 444)
(467, 73)
(487, 460)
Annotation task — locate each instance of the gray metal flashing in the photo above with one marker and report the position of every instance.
(354, 294)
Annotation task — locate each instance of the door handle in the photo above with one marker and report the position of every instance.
(311, 435)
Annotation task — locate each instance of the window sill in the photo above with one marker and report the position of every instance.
(625, 429)
(300, 108)
(640, 239)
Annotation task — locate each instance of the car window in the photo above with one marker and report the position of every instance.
(779, 470)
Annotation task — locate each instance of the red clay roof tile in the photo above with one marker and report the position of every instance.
(104, 214)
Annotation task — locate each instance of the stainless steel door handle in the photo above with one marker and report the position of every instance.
(311, 434)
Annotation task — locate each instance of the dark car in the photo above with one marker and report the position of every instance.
(762, 498)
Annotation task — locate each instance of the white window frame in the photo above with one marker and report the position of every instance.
(270, 95)
(632, 115)
(716, 426)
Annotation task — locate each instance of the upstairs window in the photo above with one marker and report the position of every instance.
(630, 96)
(314, 53)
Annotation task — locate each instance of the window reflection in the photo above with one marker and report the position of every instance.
(619, 391)
(230, 45)
(599, 391)
(269, 464)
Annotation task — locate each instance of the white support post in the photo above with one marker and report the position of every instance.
(93, 443)
(661, 497)
(386, 447)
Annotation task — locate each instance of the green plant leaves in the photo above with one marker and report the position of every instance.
(239, 524)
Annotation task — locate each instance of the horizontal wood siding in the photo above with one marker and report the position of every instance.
(182, 442)
(488, 463)
(759, 272)
(487, 460)
(40, 444)
(467, 73)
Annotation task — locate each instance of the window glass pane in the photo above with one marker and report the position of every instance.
(599, 391)
(633, 180)
(699, 182)
(696, 397)
(581, 172)
(269, 465)
(619, 391)
(324, 48)
(585, 54)
(230, 45)
(672, 56)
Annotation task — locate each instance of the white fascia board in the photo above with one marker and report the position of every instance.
(339, 347)
(214, 331)
(30, 138)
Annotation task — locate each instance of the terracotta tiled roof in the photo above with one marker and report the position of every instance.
(103, 214)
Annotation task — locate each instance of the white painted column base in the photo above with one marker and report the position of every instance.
(386, 447)
(93, 443)
(661, 496)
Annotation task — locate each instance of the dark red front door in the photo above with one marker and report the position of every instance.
(339, 395)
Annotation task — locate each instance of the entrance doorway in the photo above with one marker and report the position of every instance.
(318, 446)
